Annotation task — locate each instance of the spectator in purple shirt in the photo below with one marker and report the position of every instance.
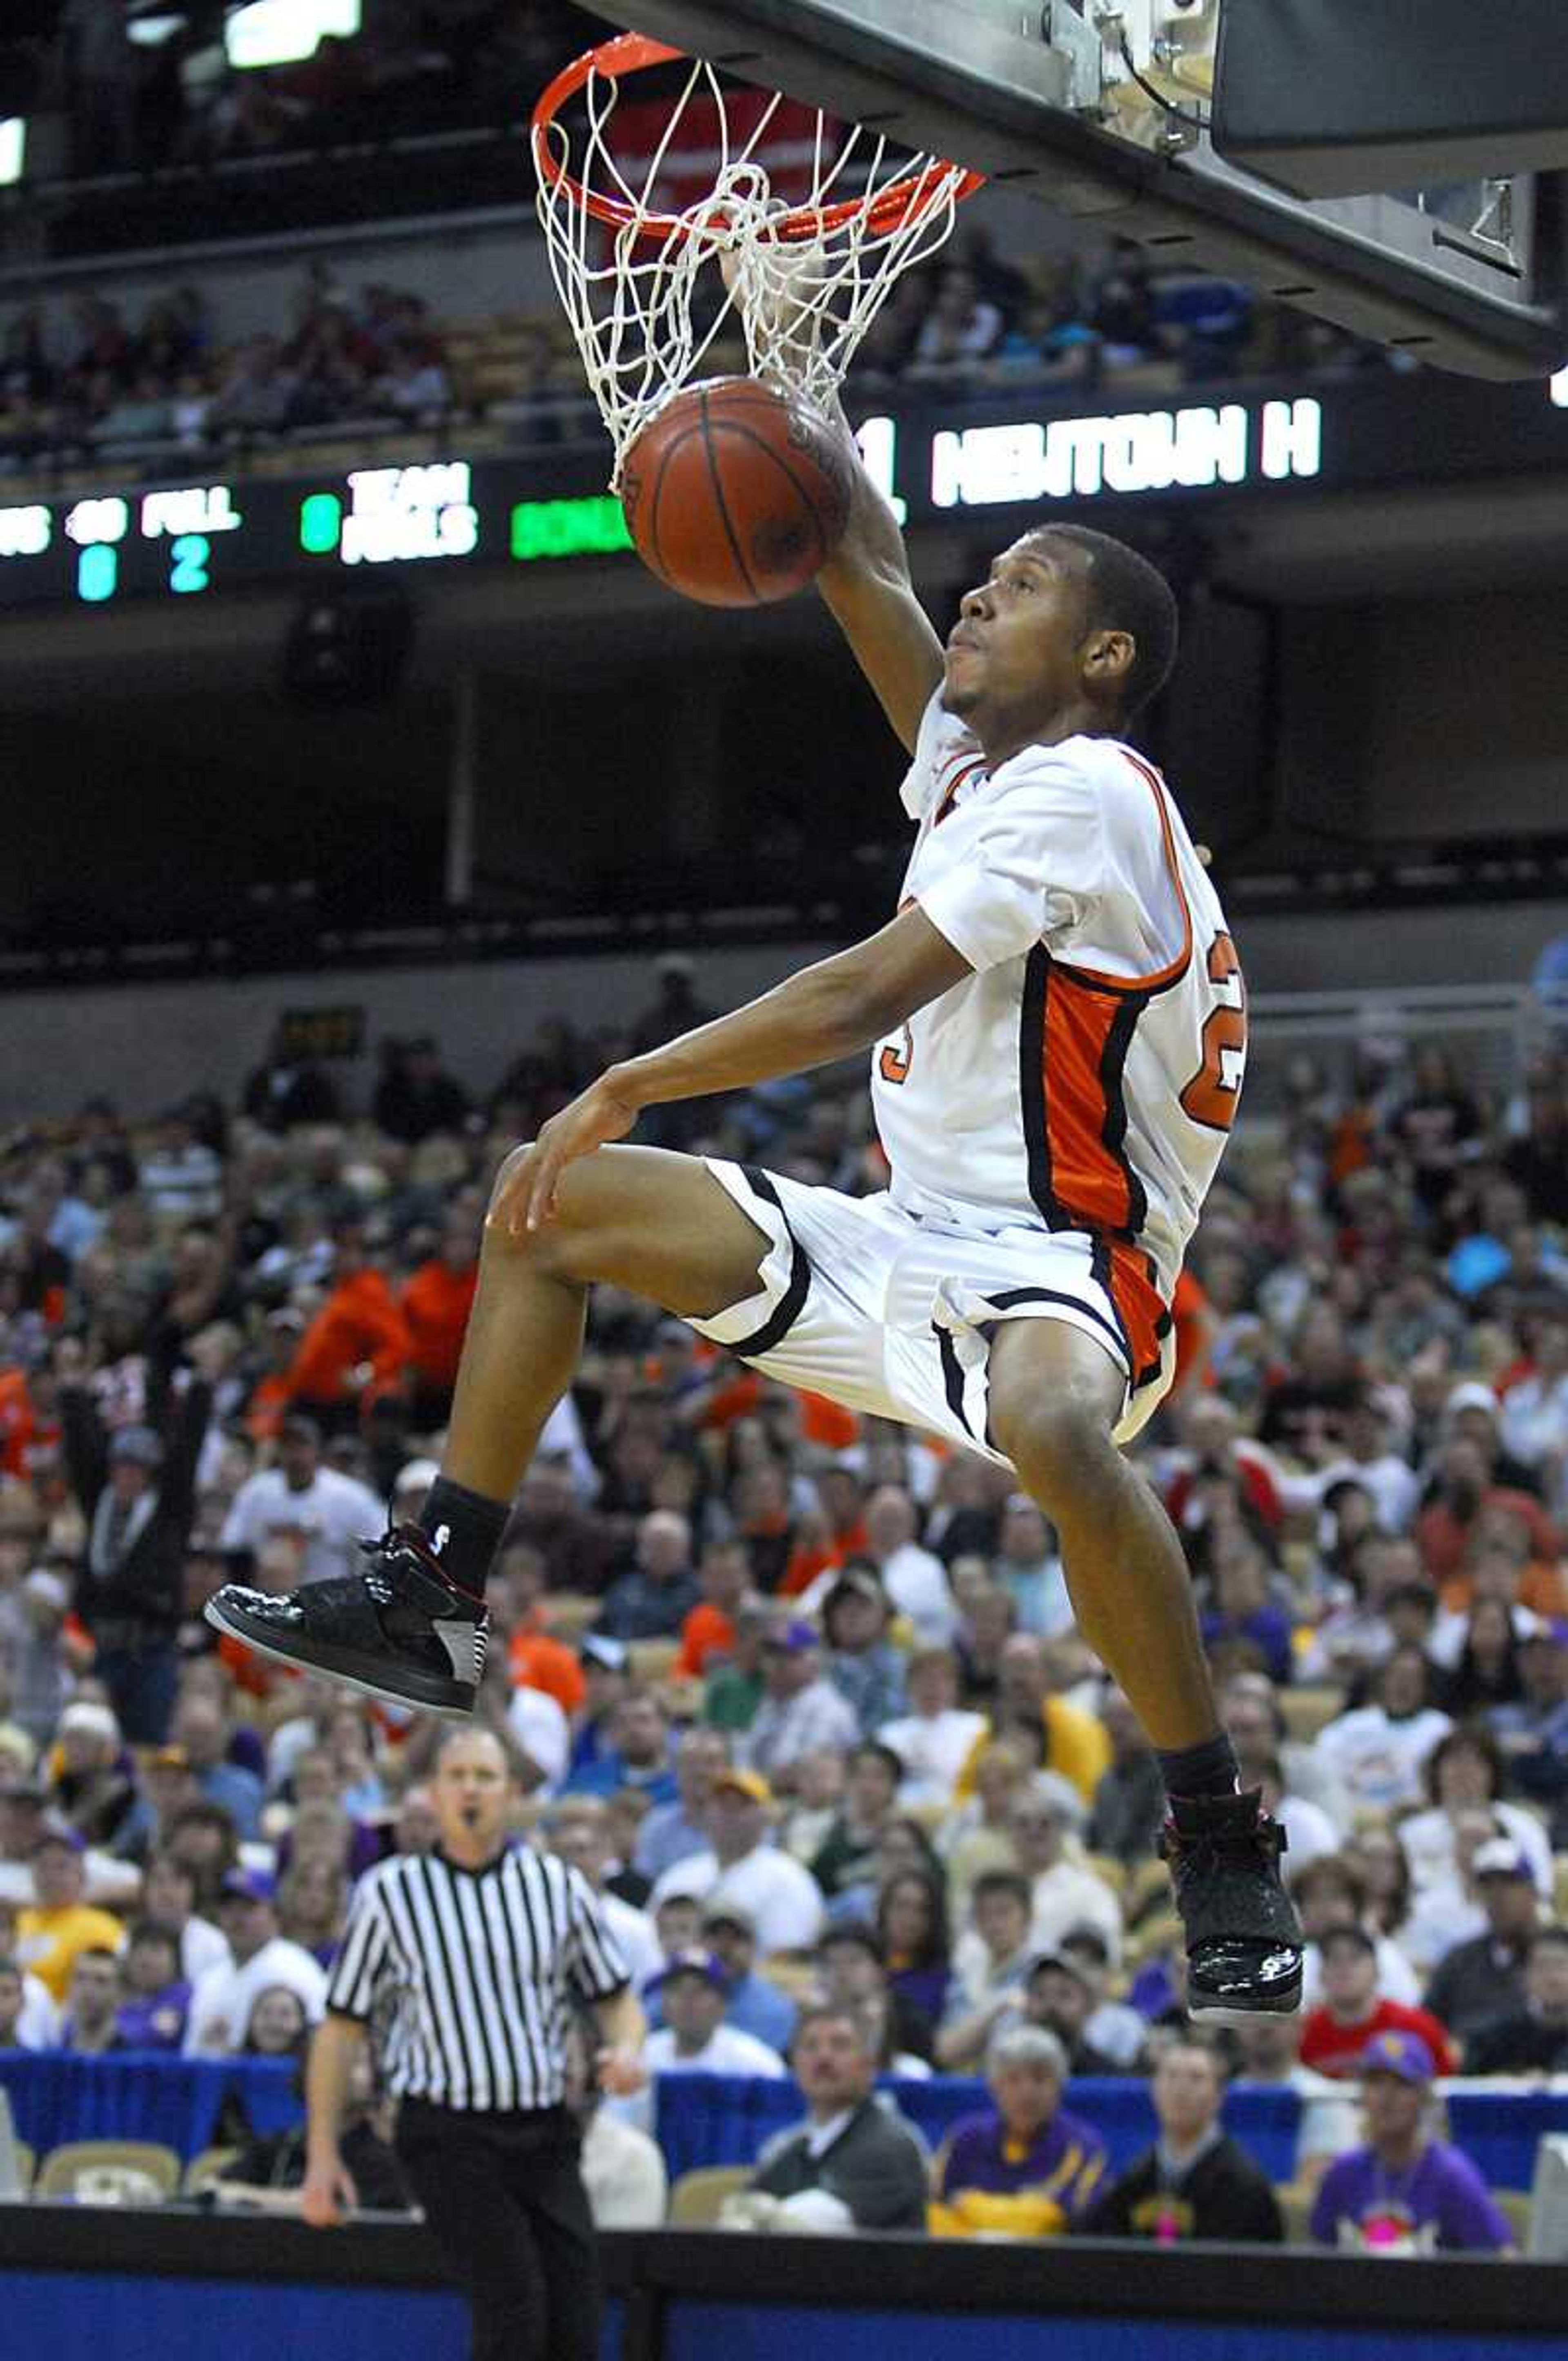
(155, 1997)
(1405, 2192)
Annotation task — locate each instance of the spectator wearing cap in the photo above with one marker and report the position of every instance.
(854, 2164)
(846, 1864)
(936, 1737)
(135, 1487)
(435, 1303)
(652, 1599)
(864, 1664)
(606, 1677)
(1352, 2010)
(1405, 2192)
(1376, 1751)
(914, 1578)
(754, 2005)
(322, 1515)
(801, 1712)
(637, 1753)
(1024, 2167)
(695, 2038)
(673, 1832)
(155, 1998)
(29, 2017)
(1533, 1733)
(59, 1922)
(707, 1634)
(223, 1998)
(1195, 2182)
(1532, 2037)
(90, 2027)
(1483, 1977)
(1060, 1996)
(783, 1899)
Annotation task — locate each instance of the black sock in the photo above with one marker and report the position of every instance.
(1207, 1770)
(463, 1529)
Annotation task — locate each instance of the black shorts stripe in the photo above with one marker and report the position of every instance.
(952, 1376)
(1004, 1302)
(792, 1302)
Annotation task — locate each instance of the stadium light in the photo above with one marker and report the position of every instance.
(283, 32)
(13, 150)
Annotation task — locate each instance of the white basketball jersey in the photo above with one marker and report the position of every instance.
(1086, 1075)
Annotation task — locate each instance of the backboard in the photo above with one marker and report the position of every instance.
(1101, 113)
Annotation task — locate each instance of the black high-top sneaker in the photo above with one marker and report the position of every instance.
(1244, 1938)
(400, 1628)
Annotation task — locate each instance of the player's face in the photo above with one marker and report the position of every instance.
(1016, 651)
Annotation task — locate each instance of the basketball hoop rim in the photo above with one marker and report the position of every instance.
(901, 201)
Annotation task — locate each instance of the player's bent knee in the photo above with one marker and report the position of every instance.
(1061, 1447)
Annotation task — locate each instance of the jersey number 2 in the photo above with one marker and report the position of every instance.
(893, 1064)
(1213, 1094)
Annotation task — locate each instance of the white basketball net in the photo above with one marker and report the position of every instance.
(802, 294)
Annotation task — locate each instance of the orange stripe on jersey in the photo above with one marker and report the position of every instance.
(1075, 1040)
(1177, 966)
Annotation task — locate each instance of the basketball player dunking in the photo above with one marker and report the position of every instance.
(1057, 1022)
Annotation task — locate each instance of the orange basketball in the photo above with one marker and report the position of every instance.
(736, 495)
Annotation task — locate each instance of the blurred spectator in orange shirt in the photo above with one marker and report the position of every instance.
(535, 1658)
(723, 1576)
(356, 1347)
(435, 1306)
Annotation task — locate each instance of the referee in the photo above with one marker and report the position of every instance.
(471, 1955)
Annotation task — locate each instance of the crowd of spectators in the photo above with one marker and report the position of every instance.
(86, 382)
(800, 1693)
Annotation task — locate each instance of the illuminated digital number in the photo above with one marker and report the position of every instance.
(190, 555)
(97, 573)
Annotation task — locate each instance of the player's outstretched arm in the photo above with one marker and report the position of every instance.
(822, 1014)
(868, 590)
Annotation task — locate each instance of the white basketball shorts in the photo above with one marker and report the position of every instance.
(880, 1310)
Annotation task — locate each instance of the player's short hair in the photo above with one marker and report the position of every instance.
(1124, 593)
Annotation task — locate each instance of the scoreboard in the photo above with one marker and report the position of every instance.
(195, 539)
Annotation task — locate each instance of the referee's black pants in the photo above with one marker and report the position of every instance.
(505, 2201)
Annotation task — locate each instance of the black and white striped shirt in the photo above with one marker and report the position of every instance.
(478, 1966)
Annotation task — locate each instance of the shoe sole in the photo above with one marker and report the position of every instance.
(1233, 2012)
(449, 1700)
